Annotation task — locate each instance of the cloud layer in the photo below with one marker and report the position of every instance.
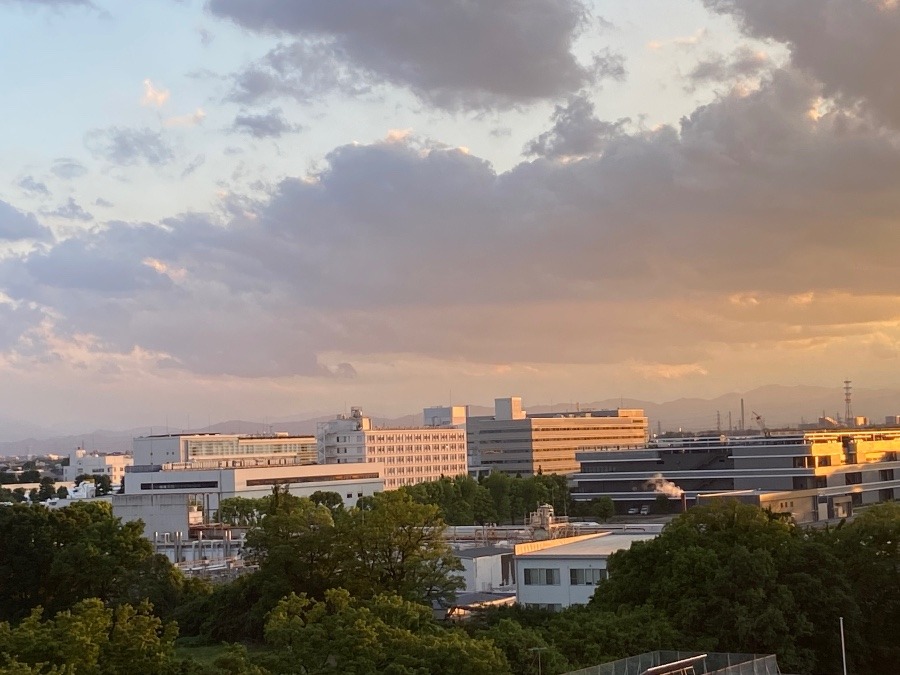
(851, 46)
(706, 233)
(455, 53)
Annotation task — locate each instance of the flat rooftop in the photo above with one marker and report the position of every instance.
(591, 547)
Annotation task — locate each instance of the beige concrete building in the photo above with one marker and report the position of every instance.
(515, 442)
(409, 455)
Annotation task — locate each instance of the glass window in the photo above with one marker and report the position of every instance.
(540, 576)
(586, 577)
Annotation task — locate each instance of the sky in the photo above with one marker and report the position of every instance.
(219, 209)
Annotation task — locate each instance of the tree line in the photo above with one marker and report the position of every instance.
(505, 500)
(350, 591)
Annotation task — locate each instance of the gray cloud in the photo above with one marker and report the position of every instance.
(127, 147)
(193, 165)
(409, 247)
(103, 203)
(68, 168)
(303, 71)
(271, 124)
(503, 62)
(71, 210)
(742, 63)
(30, 184)
(576, 131)
(851, 46)
(16, 225)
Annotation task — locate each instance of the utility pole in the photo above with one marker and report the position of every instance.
(718, 422)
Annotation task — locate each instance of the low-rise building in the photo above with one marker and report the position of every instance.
(558, 573)
(169, 498)
(487, 569)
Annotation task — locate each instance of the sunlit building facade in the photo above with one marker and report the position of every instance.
(409, 455)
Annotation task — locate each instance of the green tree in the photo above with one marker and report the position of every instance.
(62, 492)
(30, 476)
(869, 548)
(47, 489)
(56, 557)
(240, 511)
(294, 545)
(104, 485)
(395, 545)
(383, 635)
(90, 639)
(731, 577)
(329, 499)
(526, 650)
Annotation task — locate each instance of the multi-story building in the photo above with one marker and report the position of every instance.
(824, 466)
(169, 498)
(94, 464)
(175, 448)
(514, 442)
(445, 416)
(410, 455)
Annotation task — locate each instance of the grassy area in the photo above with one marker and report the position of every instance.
(203, 654)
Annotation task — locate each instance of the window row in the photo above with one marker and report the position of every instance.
(549, 576)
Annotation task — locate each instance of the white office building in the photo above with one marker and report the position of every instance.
(409, 455)
(173, 497)
(558, 573)
(95, 464)
(180, 448)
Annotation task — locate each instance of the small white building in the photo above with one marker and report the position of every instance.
(95, 464)
(410, 455)
(487, 569)
(558, 573)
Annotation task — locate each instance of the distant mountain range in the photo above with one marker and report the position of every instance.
(779, 406)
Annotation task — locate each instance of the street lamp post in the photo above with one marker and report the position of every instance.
(538, 650)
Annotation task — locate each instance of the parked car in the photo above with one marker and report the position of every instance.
(633, 511)
(645, 509)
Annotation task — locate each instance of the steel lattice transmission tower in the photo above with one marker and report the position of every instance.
(848, 409)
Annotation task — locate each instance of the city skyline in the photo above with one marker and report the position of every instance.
(226, 210)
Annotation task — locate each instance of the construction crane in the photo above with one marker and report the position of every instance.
(762, 424)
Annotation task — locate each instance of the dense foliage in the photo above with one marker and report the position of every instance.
(348, 591)
(54, 558)
(730, 577)
(89, 639)
(388, 544)
(502, 499)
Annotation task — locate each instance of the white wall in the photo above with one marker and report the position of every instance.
(565, 594)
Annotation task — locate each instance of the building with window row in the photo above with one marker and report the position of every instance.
(179, 448)
(558, 573)
(824, 472)
(409, 455)
(515, 442)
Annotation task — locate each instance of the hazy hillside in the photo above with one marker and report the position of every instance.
(779, 406)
